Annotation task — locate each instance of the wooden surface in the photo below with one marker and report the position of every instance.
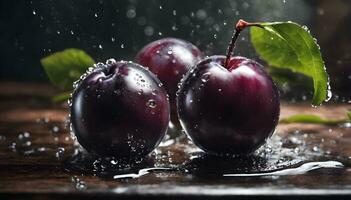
(40, 174)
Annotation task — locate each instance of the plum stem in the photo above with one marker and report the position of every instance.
(240, 25)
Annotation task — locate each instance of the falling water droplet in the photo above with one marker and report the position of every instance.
(174, 28)
(149, 31)
(131, 13)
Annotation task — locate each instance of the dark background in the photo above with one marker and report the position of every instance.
(31, 30)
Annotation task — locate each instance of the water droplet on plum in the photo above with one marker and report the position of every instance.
(151, 103)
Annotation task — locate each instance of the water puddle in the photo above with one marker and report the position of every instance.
(280, 156)
(141, 172)
(284, 154)
(303, 169)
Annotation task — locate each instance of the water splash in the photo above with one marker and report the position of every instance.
(78, 184)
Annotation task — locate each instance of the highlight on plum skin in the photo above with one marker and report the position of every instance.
(228, 111)
(119, 110)
(169, 59)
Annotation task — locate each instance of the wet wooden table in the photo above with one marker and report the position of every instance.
(34, 142)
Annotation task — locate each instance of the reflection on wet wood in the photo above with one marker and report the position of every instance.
(39, 174)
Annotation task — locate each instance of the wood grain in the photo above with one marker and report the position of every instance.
(27, 108)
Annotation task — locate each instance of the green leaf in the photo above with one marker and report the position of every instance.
(61, 97)
(288, 45)
(283, 76)
(312, 119)
(65, 67)
(349, 114)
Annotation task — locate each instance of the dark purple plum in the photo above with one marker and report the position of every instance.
(169, 59)
(119, 110)
(228, 105)
(228, 110)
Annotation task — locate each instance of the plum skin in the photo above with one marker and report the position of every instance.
(169, 59)
(228, 111)
(119, 110)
